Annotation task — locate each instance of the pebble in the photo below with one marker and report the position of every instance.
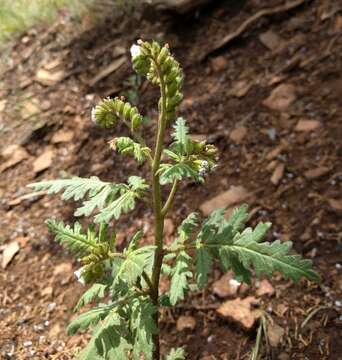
(338, 303)
(338, 266)
(46, 323)
(27, 343)
(51, 307)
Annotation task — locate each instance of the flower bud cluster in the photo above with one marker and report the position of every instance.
(108, 111)
(158, 65)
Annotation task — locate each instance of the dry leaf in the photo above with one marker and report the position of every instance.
(9, 252)
(275, 333)
(238, 134)
(281, 97)
(317, 172)
(186, 323)
(44, 161)
(62, 136)
(15, 154)
(278, 173)
(307, 125)
(265, 288)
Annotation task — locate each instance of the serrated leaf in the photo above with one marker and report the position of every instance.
(96, 291)
(180, 274)
(126, 145)
(72, 237)
(143, 327)
(135, 263)
(171, 172)
(204, 263)
(180, 135)
(176, 354)
(186, 229)
(89, 318)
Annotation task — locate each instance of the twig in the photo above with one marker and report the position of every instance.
(311, 315)
(247, 23)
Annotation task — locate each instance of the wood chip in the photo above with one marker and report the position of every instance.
(275, 334)
(49, 78)
(62, 136)
(9, 252)
(226, 286)
(304, 125)
(241, 88)
(281, 97)
(233, 196)
(238, 134)
(44, 161)
(186, 323)
(265, 288)
(278, 174)
(14, 155)
(316, 173)
(271, 40)
(240, 311)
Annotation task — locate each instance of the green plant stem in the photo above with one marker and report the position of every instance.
(169, 200)
(157, 208)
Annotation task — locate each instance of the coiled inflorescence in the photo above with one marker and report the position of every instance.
(108, 111)
(160, 68)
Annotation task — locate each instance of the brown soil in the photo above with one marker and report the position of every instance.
(225, 91)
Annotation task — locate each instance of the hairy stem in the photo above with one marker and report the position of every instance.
(157, 208)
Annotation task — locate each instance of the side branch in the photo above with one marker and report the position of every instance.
(170, 199)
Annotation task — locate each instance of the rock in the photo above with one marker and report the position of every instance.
(281, 97)
(49, 77)
(233, 196)
(186, 323)
(43, 162)
(317, 172)
(275, 333)
(226, 286)
(271, 40)
(241, 88)
(62, 136)
(29, 108)
(14, 155)
(278, 174)
(238, 134)
(62, 269)
(265, 288)
(240, 311)
(48, 291)
(335, 204)
(304, 125)
(9, 252)
(219, 63)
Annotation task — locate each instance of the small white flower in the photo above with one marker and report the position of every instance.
(93, 114)
(135, 51)
(204, 168)
(234, 283)
(78, 274)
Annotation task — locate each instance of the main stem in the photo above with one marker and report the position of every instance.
(158, 214)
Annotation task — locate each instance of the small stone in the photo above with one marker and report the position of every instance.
(44, 161)
(265, 288)
(48, 291)
(316, 173)
(9, 252)
(233, 196)
(304, 125)
(51, 307)
(27, 343)
(240, 311)
(186, 323)
(226, 286)
(62, 136)
(219, 63)
(238, 134)
(338, 303)
(63, 269)
(281, 97)
(14, 155)
(275, 333)
(271, 40)
(241, 88)
(49, 78)
(278, 174)
(29, 108)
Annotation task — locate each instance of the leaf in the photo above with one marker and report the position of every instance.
(176, 354)
(169, 173)
(135, 263)
(91, 317)
(143, 327)
(96, 291)
(98, 192)
(72, 237)
(126, 145)
(204, 263)
(135, 189)
(180, 274)
(186, 228)
(181, 136)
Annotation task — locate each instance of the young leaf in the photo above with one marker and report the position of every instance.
(186, 229)
(135, 189)
(171, 172)
(126, 145)
(72, 237)
(204, 263)
(176, 354)
(135, 263)
(180, 274)
(181, 136)
(96, 291)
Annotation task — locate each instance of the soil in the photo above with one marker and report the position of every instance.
(291, 169)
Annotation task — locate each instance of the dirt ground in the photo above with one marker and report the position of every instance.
(269, 99)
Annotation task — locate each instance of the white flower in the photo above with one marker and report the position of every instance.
(93, 114)
(135, 51)
(234, 283)
(78, 274)
(204, 168)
